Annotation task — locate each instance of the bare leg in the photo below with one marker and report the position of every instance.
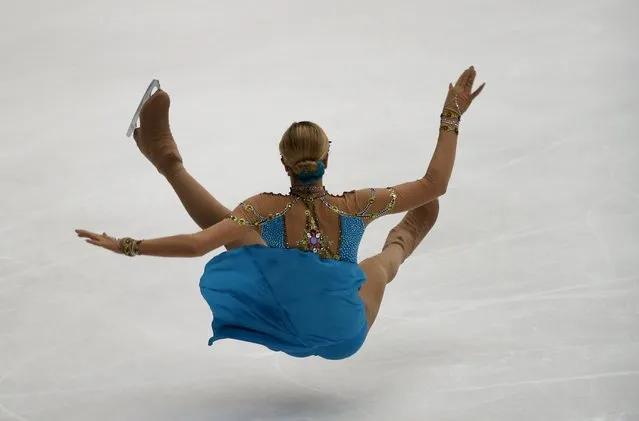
(203, 207)
(402, 240)
(155, 141)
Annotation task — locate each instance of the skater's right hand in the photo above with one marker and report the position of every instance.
(461, 95)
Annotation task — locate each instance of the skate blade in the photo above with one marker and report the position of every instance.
(155, 84)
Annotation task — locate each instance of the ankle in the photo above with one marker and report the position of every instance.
(396, 250)
(173, 172)
(394, 257)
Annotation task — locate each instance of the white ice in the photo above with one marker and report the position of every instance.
(522, 304)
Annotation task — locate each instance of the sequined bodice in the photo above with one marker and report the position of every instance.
(274, 234)
(312, 222)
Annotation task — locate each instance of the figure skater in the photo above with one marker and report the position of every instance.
(290, 278)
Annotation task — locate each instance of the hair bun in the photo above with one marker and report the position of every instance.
(305, 166)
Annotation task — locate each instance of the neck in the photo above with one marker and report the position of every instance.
(296, 186)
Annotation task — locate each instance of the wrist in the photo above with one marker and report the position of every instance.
(449, 121)
(129, 247)
(451, 114)
(447, 136)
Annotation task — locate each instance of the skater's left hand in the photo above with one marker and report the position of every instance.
(100, 240)
(461, 96)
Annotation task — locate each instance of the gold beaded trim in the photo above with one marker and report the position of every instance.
(448, 128)
(369, 203)
(454, 123)
(129, 246)
(260, 219)
(323, 245)
(388, 208)
(450, 121)
(448, 113)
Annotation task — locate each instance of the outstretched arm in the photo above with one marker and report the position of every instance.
(185, 245)
(434, 183)
(194, 245)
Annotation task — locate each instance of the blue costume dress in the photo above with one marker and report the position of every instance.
(301, 300)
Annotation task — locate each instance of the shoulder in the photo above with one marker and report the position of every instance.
(369, 203)
(375, 202)
(262, 207)
(265, 198)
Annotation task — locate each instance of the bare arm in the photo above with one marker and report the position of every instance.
(434, 183)
(184, 245)
(194, 245)
(413, 194)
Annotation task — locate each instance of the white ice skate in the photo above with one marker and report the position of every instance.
(154, 85)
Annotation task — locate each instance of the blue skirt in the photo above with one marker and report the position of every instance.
(286, 300)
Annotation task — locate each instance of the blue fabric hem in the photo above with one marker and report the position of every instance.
(286, 300)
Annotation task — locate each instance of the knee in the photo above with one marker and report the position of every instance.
(433, 212)
(384, 266)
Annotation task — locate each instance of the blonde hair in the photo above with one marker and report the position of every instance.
(302, 146)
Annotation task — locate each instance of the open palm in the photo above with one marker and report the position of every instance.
(461, 95)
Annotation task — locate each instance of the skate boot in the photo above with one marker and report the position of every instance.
(412, 229)
(154, 85)
(154, 137)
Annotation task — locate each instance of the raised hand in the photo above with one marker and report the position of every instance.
(461, 95)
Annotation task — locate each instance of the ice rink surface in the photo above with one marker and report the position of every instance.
(521, 305)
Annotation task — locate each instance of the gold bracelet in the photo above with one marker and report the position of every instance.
(129, 246)
(454, 123)
(448, 128)
(449, 113)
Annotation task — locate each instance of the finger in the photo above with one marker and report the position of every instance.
(87, 234)
(462, 78)
(470, 80)
(461, 82)
(478, 91)
(94, 242)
